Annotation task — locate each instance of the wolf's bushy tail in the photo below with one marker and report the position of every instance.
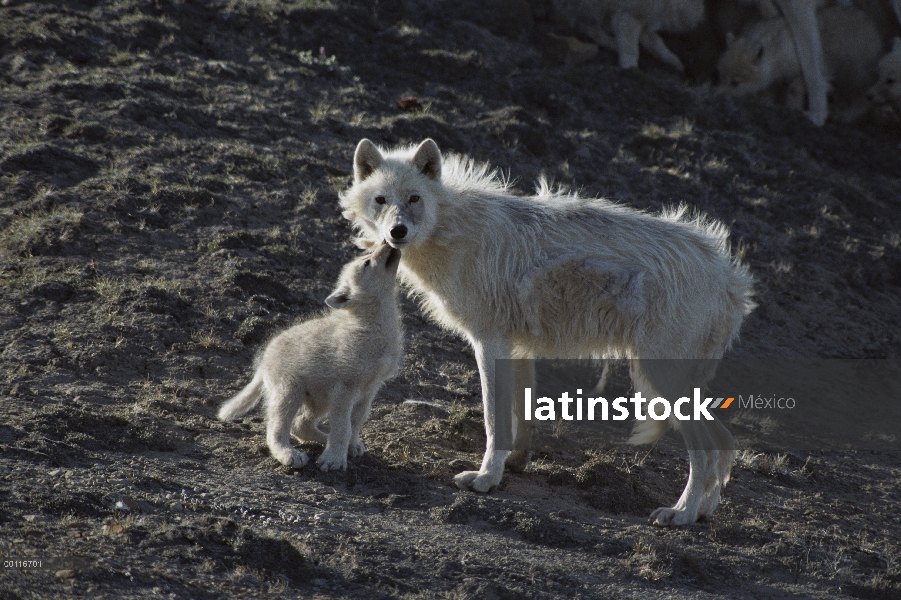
(244, 401)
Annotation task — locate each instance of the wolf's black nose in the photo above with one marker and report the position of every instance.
(399, 232)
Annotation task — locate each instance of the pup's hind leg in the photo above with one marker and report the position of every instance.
(282, 403)
(305, 427)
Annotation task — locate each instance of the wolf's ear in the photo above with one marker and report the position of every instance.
(427, 159)
(339, 298)
(730, 39)
(367, 159)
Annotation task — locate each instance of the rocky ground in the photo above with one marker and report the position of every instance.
(168, 197)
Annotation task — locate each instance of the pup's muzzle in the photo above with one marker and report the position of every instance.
(386, 255)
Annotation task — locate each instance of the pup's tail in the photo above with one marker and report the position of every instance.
(648, 432)
(245, 400)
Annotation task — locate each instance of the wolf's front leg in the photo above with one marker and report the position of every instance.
(492, 469)
(341, 403)
(358, 418)
(803, 24)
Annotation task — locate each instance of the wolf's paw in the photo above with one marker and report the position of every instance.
(332, 461)
(356, 448)
(292, 458)
(475, 481)
(668, 517)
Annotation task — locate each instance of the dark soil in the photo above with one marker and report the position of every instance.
(168, 198)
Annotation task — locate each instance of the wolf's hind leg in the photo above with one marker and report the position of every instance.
(711, 448)
(282, 403)
(305, 428)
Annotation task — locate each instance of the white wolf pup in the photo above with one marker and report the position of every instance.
(559, 276)
(330, 366)
(888, 89)
(765, 54)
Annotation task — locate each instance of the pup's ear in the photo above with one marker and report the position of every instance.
(367, 158)
(339, 298)
(427, 159)
(363, 243)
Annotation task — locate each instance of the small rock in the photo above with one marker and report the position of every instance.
(67, 574)
(177, 506)
(113, 528)
(410, 104)
(35, 518)
(55, 472)
(131, 502)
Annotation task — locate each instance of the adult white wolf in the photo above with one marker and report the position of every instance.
(558, 276)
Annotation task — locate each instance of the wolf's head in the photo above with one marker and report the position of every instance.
(744, 68)
(394, 195)
(888, 89)
(367, 280)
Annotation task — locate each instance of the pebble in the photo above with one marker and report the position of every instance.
(67, 574)
(35, 518)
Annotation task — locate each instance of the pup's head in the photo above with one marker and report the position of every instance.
(888, 89)
(744, 67)
(394, 196)
(366, 280)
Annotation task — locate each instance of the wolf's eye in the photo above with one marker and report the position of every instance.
(889, 81)
(366, 263)
(379, 199)
(414, 198)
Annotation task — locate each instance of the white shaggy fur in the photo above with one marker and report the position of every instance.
(765, 54)
(888, 89)
(803, 22)
(330, 366)
(558, 276)
(634, 23)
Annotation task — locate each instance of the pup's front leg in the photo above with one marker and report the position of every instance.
(492, 469)
(334, 457)
(358, 418)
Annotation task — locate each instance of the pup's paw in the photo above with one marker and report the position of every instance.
(292, 458)
(476, 481)
(332, 461)
(356, 448)
(669, 517)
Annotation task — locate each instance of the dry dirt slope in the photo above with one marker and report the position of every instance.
(168, 179)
